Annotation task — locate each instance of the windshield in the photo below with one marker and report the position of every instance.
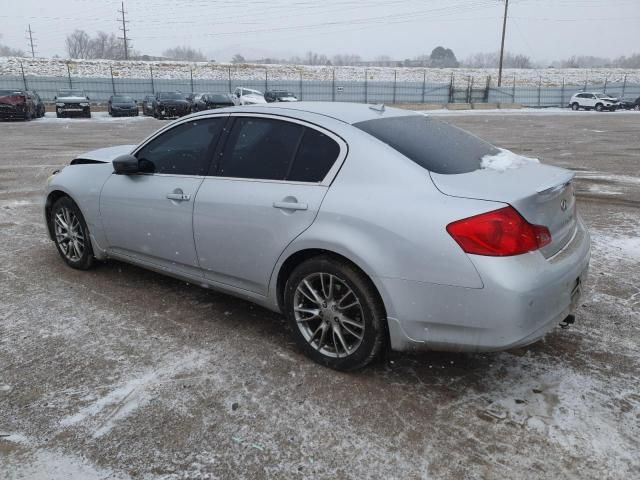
(71, 93)
(171, 96)
(122, 99)
(282, 93)
(4, 93)
(432, 144)
(603, 95)
(250, 92)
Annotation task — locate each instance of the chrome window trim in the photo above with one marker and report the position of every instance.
(326, 181)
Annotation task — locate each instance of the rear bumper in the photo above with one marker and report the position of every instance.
(523, 298)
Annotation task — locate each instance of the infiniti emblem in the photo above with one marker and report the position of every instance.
(563, 205)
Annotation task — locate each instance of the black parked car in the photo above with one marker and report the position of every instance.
(72, 103)
(17, 104)
(147, 105)
(170, 104)
(279, 96)
(122, 105)
(630, 104)
(208, 101)
(40, 108)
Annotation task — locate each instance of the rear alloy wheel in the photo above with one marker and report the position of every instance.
(335, 313)
(71, 234)
(575, 106)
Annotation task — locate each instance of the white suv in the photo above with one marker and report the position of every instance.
(247, 96)
(597, 101)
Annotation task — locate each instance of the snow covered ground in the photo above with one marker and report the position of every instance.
(120, 373)
(221, 71)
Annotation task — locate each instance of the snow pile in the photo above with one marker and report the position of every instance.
(462, 77)
(505, 160)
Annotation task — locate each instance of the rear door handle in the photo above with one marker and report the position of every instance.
(290, 205)
(180, 197)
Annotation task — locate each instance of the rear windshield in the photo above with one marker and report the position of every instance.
(431, 143)
(120, 98)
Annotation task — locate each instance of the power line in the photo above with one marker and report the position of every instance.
(31, 44)
(124, 32)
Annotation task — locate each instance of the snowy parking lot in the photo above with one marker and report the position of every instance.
(121, 373)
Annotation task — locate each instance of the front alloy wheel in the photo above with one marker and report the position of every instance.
(71, 234)
(335, 313)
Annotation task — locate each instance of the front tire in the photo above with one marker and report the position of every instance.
(599, 107)
(335, 313)
(637, 108)
(71, 234)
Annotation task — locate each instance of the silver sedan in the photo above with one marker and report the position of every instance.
(367, 227)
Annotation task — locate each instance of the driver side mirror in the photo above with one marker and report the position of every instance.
(126, 165)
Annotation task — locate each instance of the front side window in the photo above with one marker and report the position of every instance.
(184, 150)
(260, 148)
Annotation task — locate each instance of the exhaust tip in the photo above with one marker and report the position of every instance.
(569, 320)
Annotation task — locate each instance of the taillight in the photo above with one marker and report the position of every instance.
(500, 233)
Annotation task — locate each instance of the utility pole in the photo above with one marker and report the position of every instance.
(124, 33)
(33, 51)
(504, 29)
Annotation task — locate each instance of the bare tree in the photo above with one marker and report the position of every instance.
(105, 45)
(184, 53)
(346, 59)
(9, 52)
(237, 58)
(78, 44)
(491, 60)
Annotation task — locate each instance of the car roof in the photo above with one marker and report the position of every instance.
(344, 111)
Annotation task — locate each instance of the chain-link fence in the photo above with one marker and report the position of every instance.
(391, 91)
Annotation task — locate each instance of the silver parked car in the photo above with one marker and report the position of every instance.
(368, 228)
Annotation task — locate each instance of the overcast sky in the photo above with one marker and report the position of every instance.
(544, 29)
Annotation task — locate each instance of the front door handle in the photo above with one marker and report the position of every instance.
(290, 205)
(179, 197)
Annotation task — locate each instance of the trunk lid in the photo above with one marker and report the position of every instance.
(542, 194)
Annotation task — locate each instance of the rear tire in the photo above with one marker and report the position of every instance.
(71, 234)
(637, 108)
(575, 106)
(335, 313)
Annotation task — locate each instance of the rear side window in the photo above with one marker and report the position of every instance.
(184, 150)
(432, 144)
(316, 155)
(260, 148)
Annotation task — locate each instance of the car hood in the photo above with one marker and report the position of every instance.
(287, 99)
(72, 99)
(105, 155)
(11, 99)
